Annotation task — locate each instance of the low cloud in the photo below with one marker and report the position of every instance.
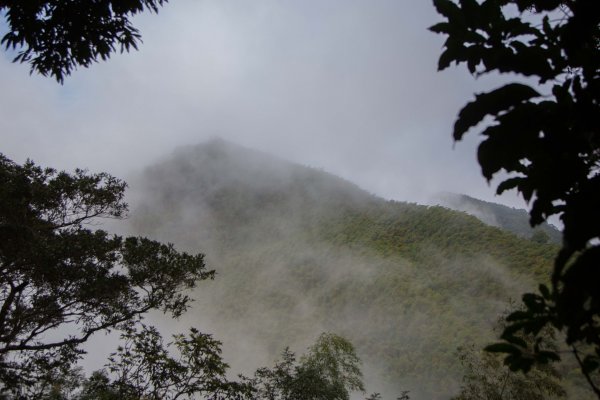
(347, 86)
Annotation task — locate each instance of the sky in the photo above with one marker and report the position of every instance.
(348, 86)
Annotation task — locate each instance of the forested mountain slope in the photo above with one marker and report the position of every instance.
(511, 219)
(299, 251)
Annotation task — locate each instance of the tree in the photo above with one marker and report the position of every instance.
(544, 134)
(62, 281)
(191, 368)
(487, 378)
(144, 368)
(329, 371)
(56, 36)
(539, 236)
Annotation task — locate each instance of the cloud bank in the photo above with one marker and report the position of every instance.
(345, 85)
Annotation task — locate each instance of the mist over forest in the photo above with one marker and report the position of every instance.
(268, 197)
(299, 251)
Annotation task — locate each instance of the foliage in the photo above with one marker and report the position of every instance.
(547, 139)
(330, 371)
(144, 368)
(507, 218)
(487, 378)
(191, 368)
(97, 387)
(540, 237)
(56, 36)
(377, 396)
(62, 281)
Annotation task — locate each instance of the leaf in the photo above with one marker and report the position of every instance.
(490, 159)
(447, 8)
(544, 291)
(516, 362)
(508, 184)
(503, 348)
(441, 27)
(515, 340)
(518, 316)
(446, 58)
(534, 302)
(590, 364)
(544, 356)
(491, 103)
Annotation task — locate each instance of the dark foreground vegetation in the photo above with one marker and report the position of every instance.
(61, 281)
(544, 135)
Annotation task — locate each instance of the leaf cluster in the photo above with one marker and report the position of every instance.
(56, 36)
(143, 367)
(548, 143)
(487, 378)
(329, 371)
(191, 367)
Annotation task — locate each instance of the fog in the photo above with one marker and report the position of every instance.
(348, 86)
(261, 222)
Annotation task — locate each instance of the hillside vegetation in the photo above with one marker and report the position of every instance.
(507, 218)
(299, 251)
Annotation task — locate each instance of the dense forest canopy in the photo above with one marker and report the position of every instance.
(320, 254)
(62, 281)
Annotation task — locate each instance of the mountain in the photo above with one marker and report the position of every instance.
(511, 219)
(299, 251)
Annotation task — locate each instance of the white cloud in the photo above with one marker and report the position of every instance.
(347, 85)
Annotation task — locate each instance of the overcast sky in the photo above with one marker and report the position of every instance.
(349, 86)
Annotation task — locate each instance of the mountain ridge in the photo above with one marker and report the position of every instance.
(511, 219)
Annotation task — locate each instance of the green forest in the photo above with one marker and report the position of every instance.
(299, 251)
(226, 273)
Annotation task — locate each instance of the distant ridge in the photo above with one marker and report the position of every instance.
(511, 219)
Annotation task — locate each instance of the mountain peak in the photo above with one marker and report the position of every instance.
(228, 175)
(217, 143)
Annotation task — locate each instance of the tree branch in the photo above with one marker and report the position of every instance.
(14, 290)
(585, 373)
(77, 340)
